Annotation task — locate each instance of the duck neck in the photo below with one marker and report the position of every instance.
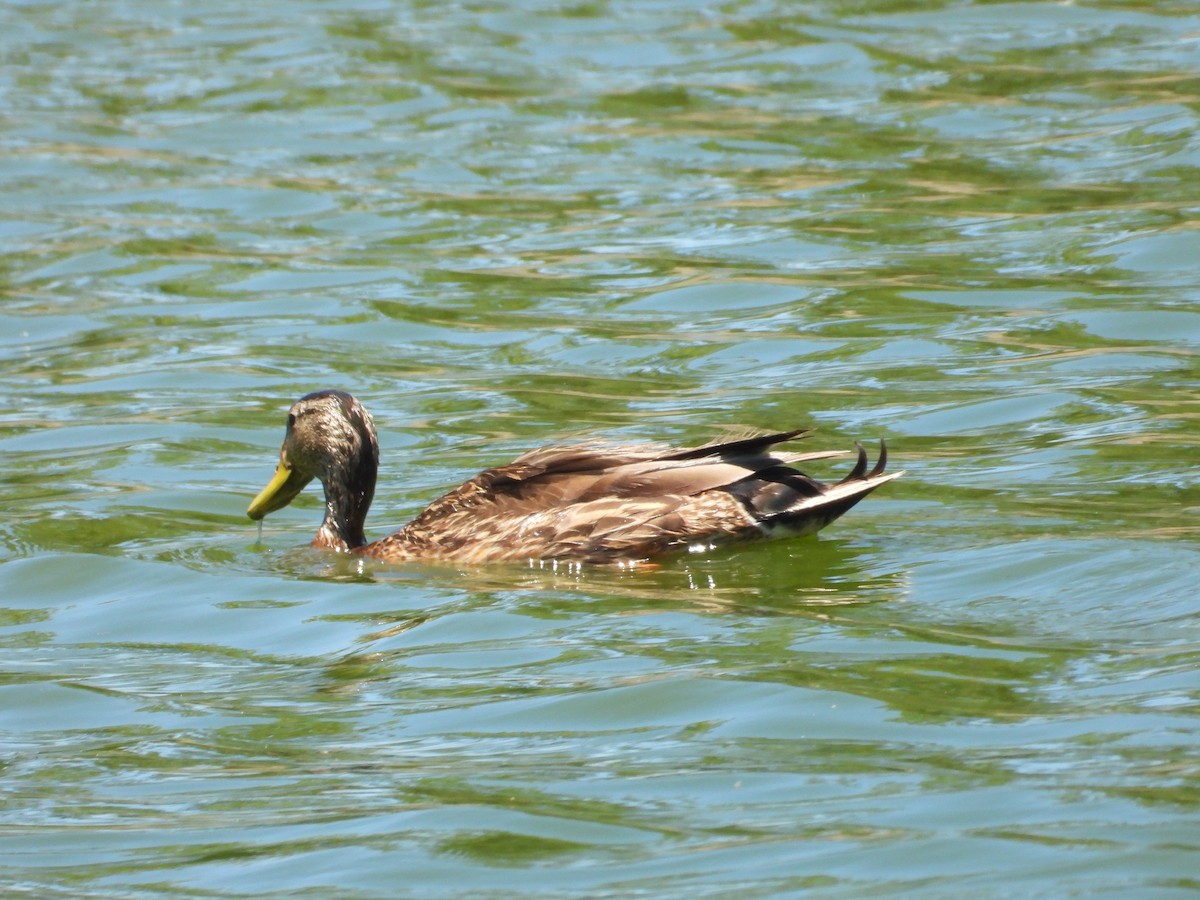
(349, 490)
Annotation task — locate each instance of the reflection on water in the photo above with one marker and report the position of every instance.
(965, 228)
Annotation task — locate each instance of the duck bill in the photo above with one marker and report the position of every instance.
(281, 491)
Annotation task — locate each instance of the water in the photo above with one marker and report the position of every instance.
(967, 228)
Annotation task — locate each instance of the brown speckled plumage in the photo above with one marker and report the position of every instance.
(586, 503)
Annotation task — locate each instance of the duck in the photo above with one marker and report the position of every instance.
(591, 502)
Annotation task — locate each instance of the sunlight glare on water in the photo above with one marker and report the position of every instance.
(967, 228)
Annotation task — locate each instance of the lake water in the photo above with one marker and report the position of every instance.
(969, 228)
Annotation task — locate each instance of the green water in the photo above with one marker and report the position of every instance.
(968, 228)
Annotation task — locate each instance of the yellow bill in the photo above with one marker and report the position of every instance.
(279, 492)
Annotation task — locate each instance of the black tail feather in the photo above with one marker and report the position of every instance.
(783, 498)
(860, 465)
(881, 463)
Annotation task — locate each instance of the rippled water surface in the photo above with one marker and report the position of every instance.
(969, 228)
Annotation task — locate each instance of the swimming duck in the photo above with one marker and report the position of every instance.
(591, 503)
